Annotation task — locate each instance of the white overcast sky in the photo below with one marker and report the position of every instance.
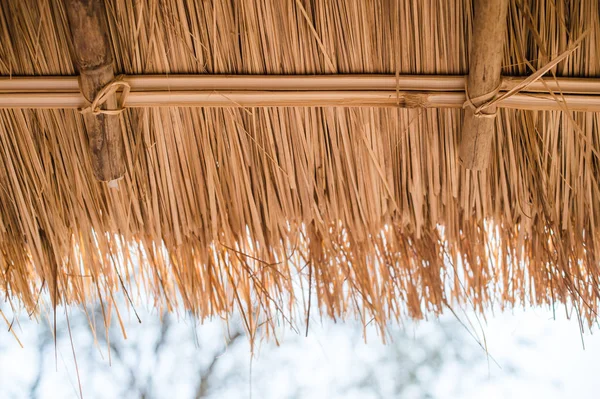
(547, 355)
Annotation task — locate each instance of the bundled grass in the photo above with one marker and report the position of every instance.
(233, 208)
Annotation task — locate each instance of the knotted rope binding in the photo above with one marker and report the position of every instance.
(485, 101)
(103, 95)
(492, 98)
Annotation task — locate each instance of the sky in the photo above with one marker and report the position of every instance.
(529, 354)
(548, 354)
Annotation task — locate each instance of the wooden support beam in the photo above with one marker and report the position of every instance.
(93, 55)
(483, 82)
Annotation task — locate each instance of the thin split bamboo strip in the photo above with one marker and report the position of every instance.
(557, 85)
(37, 84)
(407, 99)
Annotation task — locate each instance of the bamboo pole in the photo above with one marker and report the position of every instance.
(419, 83)
(93, 55)
(405, 99)
(483, 82)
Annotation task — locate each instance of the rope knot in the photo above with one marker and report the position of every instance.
(103, 95)
(481, 104)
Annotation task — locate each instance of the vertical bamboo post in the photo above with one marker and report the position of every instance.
(485, 66)
(93, 57)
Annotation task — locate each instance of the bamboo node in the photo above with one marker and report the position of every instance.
(485, 101)
(103, 95)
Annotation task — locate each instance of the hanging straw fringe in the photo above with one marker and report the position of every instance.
(103, 95)
(212, 218)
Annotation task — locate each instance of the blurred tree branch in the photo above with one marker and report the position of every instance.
(203, 384)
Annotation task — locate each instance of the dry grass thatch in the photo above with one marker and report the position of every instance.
(227, 208)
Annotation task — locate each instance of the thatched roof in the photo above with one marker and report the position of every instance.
(224, 208)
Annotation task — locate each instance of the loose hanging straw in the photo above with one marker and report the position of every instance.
(524, 232)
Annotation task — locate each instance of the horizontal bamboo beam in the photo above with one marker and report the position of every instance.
(405, 99)
(249, 82)
(424, 83)
(425, 91)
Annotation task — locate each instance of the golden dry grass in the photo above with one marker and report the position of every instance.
(232, 208)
